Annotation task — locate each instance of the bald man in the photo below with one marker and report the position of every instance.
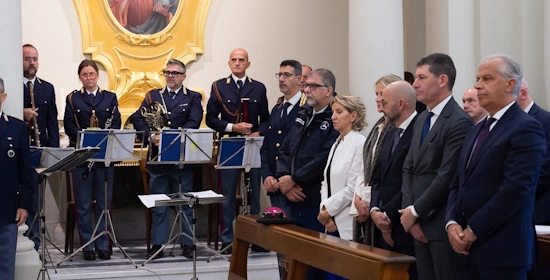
(471, 106)
(399, 106)
(542, 196)
(223, 114)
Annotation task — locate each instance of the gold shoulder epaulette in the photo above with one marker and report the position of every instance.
(303, 99)
(227, 81)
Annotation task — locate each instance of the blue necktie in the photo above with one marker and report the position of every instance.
(426, 127)
(172, 94)
(239, 85)
(285, 110)
(91, 97)
(481, 137)
(396, 138)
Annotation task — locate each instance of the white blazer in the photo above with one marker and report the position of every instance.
(347, 162)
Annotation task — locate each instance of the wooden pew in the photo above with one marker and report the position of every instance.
(306, 248)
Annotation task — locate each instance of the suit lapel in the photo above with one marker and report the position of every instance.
(178, 99)
(231, 86)
(291, 116)
(385, 157)
(469, 143)
(500, 127)
(439, 123)
(247, 87)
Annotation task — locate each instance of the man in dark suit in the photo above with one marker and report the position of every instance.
(223, 115)
(45, 113)
(542, 195)
(430, 167)
(281, 120)
(15, 185)
(304, 153)
(183, 110)
(398, 101)
(490, 208)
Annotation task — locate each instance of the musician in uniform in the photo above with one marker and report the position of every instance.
(40, 112)
(91, 107)
(182, 109)
(223, 115)
(15, 185)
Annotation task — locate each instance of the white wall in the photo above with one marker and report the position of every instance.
(314, 32)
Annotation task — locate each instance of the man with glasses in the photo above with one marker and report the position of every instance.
(183, 110)
(306, 69)
(280, 122)
(304, 153)
(223, 115)
(45, 112)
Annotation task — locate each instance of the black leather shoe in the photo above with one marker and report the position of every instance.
(187, 251)
(224, 251)
(89, 255)
(256, 248)
(103, 254)
(154, 249)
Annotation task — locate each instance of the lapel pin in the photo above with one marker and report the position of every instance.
(11, 153)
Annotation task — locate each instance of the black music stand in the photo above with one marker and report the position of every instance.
(115, 145)
(240, 153)
(180, 147)
(67, 163)
(192, 199)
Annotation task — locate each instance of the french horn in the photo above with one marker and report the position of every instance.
(154, 116)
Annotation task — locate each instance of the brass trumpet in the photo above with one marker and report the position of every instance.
(154, 116)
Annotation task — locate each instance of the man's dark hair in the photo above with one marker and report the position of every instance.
(440, 64)
(294, 64)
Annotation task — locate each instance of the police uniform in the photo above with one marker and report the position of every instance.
(15, 186)
(184, 110)
(218, 114)
(279, 125)
(79, 110)
(44, 99)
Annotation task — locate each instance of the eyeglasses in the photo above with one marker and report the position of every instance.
(172, 73)
(89, 75)
(313, 86)
(286, 75)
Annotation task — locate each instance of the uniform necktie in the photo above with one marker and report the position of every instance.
(91, 97)
(172, 94)
(239, 85)
(396, 138)
(426, 127)
(284, 113)
(481, 137)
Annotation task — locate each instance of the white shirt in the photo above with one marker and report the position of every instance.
(529, 107)
(25, 81)
(93, 92)
(438, 109)
(293, 101)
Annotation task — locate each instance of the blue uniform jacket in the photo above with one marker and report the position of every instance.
(216, 116)
(79, 109)
(44, 99)
(304, 153)
(15, 178)
(184, 111)
(277, 131)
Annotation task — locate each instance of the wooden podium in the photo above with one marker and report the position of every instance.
(304, 248)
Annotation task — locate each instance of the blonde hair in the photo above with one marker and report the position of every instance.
(388, 79)
(353, 103)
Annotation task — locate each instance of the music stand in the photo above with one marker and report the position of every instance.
(240, 153)
(180, 147)
(115, 145)
(48, 167)
(191, 199)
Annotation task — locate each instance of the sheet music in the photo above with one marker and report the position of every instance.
(123, 146)
(206, 194)
(542, 229)
(201, 137)
(149, 199)
(252, 153)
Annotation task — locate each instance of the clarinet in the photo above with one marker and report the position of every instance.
(34, 125)
(108, 124)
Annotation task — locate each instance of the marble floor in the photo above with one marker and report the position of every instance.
(260, 265)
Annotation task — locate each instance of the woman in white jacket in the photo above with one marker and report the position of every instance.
(343, 166)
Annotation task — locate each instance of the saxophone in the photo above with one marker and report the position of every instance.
(34, 124)
(154, 116)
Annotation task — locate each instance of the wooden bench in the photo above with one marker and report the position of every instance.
(304, 248)
(544, 248)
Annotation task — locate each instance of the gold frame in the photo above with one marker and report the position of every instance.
(133, 62)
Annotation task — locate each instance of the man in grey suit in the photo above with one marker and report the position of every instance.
(430, 167)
